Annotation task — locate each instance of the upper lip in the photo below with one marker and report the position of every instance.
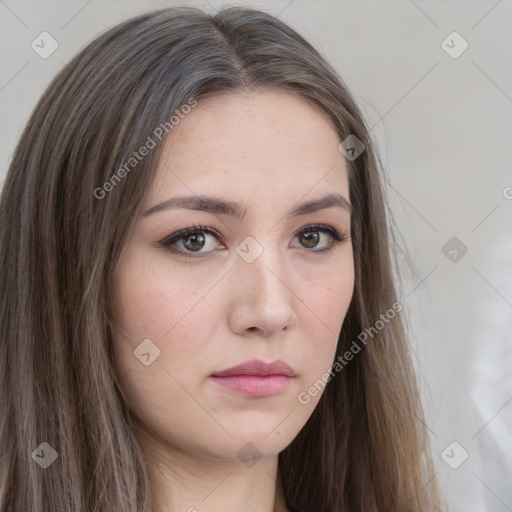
(257, 367)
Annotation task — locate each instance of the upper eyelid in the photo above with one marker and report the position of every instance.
(181, 233)
(337, 235)
(212, 231)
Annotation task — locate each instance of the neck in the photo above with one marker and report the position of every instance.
(198, 483)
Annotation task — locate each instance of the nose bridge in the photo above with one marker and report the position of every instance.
(265, 298)
(261, 266)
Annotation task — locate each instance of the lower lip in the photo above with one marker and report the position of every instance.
(254, 385)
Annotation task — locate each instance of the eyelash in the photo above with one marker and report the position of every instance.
(171, 240)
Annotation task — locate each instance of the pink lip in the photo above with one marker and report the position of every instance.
(256, 378)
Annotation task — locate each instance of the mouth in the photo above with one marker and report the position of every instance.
(256, 378)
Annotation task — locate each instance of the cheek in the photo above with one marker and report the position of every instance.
(327, 296)
(154, 301)
(330, 308)
(325, 307)
(164, 316)
(152, 307)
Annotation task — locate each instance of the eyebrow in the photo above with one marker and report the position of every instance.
(218, 206)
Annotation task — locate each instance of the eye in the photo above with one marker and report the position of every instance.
(191, 241)
(311, 236)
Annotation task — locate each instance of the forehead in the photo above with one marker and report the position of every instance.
(236, 143)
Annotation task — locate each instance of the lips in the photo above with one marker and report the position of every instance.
(255, 378)
(258, 368)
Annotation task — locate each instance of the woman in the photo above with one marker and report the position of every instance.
(198, 305)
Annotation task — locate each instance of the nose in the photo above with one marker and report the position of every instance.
(262, 297)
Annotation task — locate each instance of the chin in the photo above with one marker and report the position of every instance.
(258, 442)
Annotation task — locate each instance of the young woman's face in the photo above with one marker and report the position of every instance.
(264, 285)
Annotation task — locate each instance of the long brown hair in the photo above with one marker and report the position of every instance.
(65, 221)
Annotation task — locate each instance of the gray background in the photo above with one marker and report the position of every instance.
(443, 126)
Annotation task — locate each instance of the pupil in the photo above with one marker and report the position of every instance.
(311, 239)
(194, 239)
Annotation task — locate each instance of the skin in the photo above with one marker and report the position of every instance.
(268, 151)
